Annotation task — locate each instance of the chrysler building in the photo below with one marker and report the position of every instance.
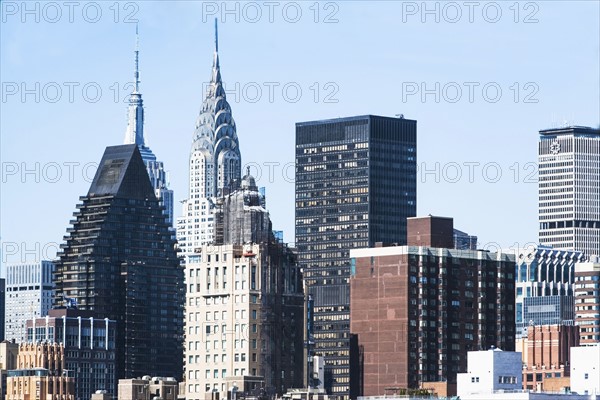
(214, 164)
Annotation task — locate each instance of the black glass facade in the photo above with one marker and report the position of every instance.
(119, 260)
(355, 186)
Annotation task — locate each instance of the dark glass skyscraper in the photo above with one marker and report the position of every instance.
(355, 186)
(119, 261)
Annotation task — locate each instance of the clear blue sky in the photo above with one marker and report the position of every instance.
(368, 58)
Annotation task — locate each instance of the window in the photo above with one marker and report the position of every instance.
(507, 379)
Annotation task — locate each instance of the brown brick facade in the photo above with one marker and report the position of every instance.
(417, 311)
(548, 354)
(430, 231)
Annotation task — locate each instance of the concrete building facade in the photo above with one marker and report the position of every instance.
(244, 321)
(29, 294)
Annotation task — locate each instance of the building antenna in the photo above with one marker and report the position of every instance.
(216, 37)
(136, 73)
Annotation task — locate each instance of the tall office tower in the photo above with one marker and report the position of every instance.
(244, 306)
(569, 189)
(135, 135)
(587, 301)
(355, 186)
(29, 293)
(418, 309)
(89, 347)
(119, 261)
(215, 164)
(40, 374)
(549, 273)
(2, 307)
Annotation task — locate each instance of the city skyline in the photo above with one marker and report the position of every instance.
(251, 53)
(313, 252)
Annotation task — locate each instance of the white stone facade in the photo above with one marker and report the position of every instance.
(223, 314)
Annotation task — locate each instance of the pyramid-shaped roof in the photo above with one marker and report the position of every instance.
(122, 173)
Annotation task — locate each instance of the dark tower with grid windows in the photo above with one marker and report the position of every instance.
(119, 260)
(355, 186)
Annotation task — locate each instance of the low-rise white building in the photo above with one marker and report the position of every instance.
(497, 375)
(585, 370)
(490, 371)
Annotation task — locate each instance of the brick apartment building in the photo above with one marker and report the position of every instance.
(417, 310)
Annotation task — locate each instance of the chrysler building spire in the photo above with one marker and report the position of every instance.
(135, 114)
(216, 37)
(215, 145)
(214, 164)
